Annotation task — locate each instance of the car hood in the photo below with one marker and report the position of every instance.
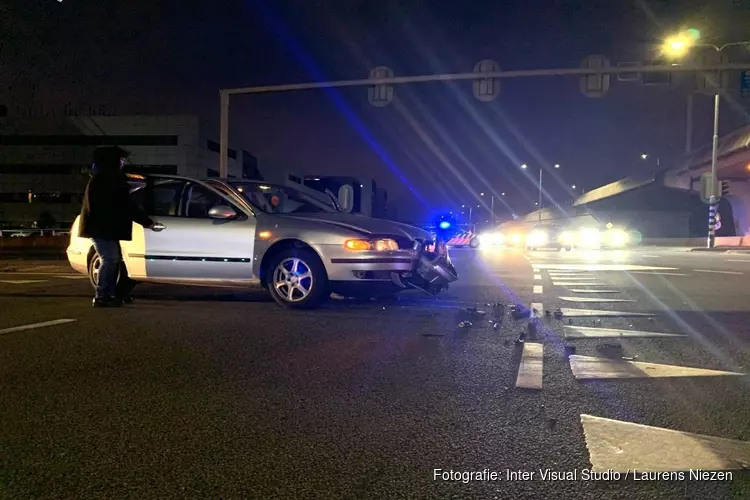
(362, 224)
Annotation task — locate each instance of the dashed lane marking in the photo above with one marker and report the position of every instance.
(597, 312)
(589, 367)
(539, 307)
(593, 299)
(531, 368)
(35, 325)
(626, 446)
(716, 272)
(537, 277)
(538, 289)
(591, 290)
(21, 282)
(590, 332)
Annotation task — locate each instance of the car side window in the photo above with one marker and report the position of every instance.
(160, 198)
(200, 200)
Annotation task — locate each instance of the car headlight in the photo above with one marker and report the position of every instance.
(538, 238)
(516, 238)
(491, 239)
(618, 238)
(382, 245)
(567, 238)
(590, 237)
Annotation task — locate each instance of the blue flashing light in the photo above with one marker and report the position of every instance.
(445, 224)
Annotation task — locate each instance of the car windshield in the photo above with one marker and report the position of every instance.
(274, 199)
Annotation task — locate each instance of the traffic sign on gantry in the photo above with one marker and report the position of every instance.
(595, 85)
(486, 89)
(380, 95)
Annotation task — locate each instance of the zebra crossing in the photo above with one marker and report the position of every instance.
(613, 444)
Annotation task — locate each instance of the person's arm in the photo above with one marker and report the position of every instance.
(139, 216)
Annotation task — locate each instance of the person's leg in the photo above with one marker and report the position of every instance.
(109, 253)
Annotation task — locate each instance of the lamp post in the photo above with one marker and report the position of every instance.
(541, 172)
(678, 46)
(492, 205)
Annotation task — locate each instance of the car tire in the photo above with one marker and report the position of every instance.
(123, 280)
(284, 271)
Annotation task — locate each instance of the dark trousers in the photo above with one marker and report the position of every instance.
(112, 282)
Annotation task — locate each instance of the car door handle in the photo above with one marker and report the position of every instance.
(158, 226)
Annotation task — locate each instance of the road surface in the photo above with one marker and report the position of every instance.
(209, 393)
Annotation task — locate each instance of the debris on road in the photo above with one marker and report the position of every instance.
(630, 358)
(495, 326)
(465, 324)
(521, 338)
(558, 313)
(519, 312)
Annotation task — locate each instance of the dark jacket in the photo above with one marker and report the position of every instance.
(108, 211)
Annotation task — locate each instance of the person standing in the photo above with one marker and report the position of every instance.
(107, 217)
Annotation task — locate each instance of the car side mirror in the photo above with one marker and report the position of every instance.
(222, 212)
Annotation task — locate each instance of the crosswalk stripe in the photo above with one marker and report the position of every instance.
(537, 277)
(531, 367)
(577, 283)
(592, 290)
(21, 282)
(604, 267)
(626, 446)
(654, 273)
(593, 299)
(572, 278)
(589, 367)
(716, 272)
(590, 332)
(597, 312)
(538, 289)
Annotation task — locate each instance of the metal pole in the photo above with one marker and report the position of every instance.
(540, 194)
(492, 205)
(470, 218)
(224, 136)
(689, 128)
(714, 181)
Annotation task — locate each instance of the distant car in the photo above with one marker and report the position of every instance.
(237, 233)
(550, 236)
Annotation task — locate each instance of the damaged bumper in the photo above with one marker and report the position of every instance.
(432, 273)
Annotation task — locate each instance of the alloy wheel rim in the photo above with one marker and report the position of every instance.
(293, 279)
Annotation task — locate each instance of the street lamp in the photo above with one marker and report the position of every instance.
(678, 46)
(541, 171)
(492, 205)
(644, 156)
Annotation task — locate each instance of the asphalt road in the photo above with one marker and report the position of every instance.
(209, 393)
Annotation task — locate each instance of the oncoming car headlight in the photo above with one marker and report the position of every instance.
(382, 245)
(516, 238)
(567, 238)
(618, 238)
(590, 237)
(537, 238)
(491, 239)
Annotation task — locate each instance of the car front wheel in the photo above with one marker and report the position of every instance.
(124, 283)
(298, 279)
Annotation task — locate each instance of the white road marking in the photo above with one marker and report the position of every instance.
(539, 308)
(589, 367)
(746, 261)
(35, 325)
(578, 283)
(21, 282)
(717, 272)
(16, 273)
(657, 273)
(537, 277)
(605, 267)
(531, 367)
(590, 332)
(597, 312)
(574, 278)
(591, 290)
(538, 289)
(73, 277)
(650, 256)
(625, 446)
(593, 299)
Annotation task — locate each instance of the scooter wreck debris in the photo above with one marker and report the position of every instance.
(433, 273)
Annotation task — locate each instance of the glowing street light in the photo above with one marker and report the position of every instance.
(524, 166)
(503, 194)
(573, 186)
(678, 45)
(644, 156)
(557, 165)
(481, 194)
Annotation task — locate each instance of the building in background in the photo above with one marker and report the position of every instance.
(44, 162)
(369, 199)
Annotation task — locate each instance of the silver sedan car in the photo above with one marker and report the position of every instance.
(293, 242)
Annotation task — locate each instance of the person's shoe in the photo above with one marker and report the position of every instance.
(128, 299)
(108, 302)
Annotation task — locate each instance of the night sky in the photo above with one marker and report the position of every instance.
(436, 146)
